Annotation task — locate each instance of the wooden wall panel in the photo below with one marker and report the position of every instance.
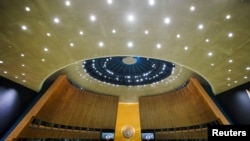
(181, 108)
(58, 86)
(67, 106)
(82, 108)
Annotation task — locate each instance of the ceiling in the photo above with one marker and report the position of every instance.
(42, 39)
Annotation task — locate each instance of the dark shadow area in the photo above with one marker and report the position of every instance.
(15, 102)
(236, 104)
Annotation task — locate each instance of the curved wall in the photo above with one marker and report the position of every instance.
(76, 107)
(65, 111)
(184, 107)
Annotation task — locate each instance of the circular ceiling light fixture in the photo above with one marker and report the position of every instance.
(128, 70)
(129, 60)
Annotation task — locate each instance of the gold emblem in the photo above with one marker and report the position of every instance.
(128, 131)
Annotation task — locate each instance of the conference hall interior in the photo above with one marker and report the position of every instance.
(120, 70)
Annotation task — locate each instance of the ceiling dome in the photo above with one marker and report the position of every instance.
(127, 70)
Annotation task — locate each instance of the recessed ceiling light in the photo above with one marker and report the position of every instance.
(23, 74)
(27, 8)
(1, 62)
(230, 34)
(113, 31)
(178, 36)
(151, 2)
(130, 44)
(228, 79)
(81, 32)
(67, 3)
(230, 60)
(210, 53)
(245, 77)
(158, 46)
(22, 55)
(93, 18)
(167, 20)
(48, 34)
(192, 8)
(146, 31)
(45, 49)
(56, 20)
(247, 68)
(43, 60)
(101, 44)
(109, 1)
(186, 48)
(207, 40)
(200, 26)
(212, 64)
(131, 18)
(24, 81)
(23, 65)
(228, 17)
(71, 44)
(229, 70)
(24, 27)
(5, 72)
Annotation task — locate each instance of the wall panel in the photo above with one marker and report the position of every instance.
(185, 107)
(68, 112)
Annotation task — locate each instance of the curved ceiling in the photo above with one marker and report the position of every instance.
(126, 93)
(42, 38)
(127, 70)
